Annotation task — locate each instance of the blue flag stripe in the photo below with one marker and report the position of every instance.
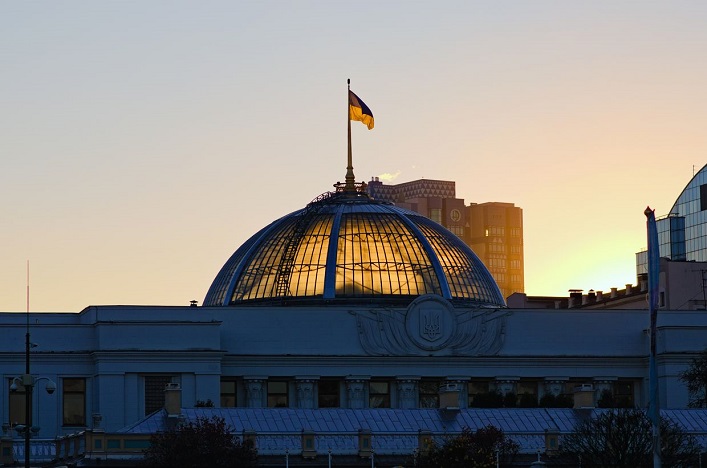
(357, 102)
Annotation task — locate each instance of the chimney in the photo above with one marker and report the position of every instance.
(629, 289)
(173, 400)
(575, 298)
(600, 296)
(614, 293)
(449, 397)
(584, 396)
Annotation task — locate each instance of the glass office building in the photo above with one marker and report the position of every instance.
(682, 234)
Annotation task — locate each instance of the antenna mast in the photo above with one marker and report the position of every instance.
(28, 293)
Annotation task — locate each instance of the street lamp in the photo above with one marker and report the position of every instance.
(28, 381)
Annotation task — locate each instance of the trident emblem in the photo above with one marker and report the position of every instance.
(430, 326)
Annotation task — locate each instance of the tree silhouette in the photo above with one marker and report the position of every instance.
(470, 450)
(622, 438)
(204, 443)
(695, 378)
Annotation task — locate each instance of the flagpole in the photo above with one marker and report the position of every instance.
(350, 178)
(653, 284)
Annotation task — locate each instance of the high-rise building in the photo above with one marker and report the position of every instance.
(682, 234)
(493, 230)
(495, 234)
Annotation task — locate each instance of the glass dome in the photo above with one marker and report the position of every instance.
(347, 248)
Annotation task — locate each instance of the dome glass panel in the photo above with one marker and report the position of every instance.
(347, 248)
(378, 255)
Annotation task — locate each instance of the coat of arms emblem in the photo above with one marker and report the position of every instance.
(430, 327)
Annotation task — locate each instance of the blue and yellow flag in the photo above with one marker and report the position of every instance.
(358, 110)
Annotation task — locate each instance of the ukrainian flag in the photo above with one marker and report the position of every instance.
(358, 110)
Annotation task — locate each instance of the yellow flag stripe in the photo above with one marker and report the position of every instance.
(356, 113)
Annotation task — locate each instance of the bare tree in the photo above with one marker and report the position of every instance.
(695, 378)
(204, 443)
(622, 438)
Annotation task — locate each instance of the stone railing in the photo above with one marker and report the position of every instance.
(99, 445)
(95, 445)
(13, 450)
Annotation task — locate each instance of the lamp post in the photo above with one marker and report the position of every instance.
(28, 381)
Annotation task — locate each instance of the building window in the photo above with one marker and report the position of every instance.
(429, 393)
(527, 392)
(436, 215)
(328, 394)
(476, 388)
(17, 403)
(228, 393)
(154, 392)
(515, 264)
(515, 232)
(379, 394)
(457, 230)
(277, 394)
(623, 394)
(73, 397)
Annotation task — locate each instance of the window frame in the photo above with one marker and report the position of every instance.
(80, 421)
(428, 393)
(149, 387)
(17, 400)
(274, 398)
(335, 394)
(385, 395)
(228, 394)
(476, 387)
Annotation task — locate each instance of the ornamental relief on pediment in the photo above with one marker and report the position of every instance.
(431, 325)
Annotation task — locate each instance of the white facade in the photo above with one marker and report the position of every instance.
(118, 349)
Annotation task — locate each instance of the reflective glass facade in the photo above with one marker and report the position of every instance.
(682, 235)
(350, 247)
(691, 206)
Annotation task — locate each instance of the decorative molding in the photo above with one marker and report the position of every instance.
(305, 393)
(431, 325)
(555, 385)
(254, 389)
(407, 393)
(603, 383)
(506, 385)
(356, 393)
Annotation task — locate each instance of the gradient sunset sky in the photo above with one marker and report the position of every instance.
(142, 142)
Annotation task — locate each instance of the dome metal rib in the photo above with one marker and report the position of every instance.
(348, 248)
